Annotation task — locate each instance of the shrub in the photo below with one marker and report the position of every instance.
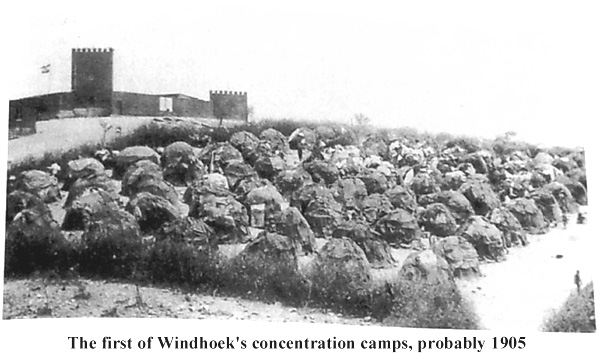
(267, 267)
(422, 303)
(470, 144)
(161, 135)
(60, 158)
(33, 247)
(340, 277)
(249, 274)
(111, 257)
(180, 263)
(576, 314)
(507, 144)
(340, 291)
(182, 253)
(111, 245)
(285, 126)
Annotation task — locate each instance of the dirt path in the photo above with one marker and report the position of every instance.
(39, 297)
(519, 293)
(59, 135)
(64, 134)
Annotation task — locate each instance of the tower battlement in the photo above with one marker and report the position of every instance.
(92, 77)
(229, 93)
(92, 50)
(229, 104)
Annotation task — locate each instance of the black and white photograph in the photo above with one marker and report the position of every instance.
(363, 166)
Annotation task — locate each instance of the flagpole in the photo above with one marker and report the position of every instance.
(49, 80)
(48, 71)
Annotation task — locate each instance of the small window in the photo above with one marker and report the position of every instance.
(166, 104)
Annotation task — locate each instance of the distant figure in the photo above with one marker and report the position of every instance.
(297, 140)
(565, 220)
(317, 152)
(578, 282)
(581, 218)
(301, 145)
(54, 169)
(350, 215)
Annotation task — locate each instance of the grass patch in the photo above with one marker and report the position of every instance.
(339, 287)
(180, 263)
(425, 303)
(60, 158)
(275, 280)
(34, 248)
(576, 314)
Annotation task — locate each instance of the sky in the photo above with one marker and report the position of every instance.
(464, 68)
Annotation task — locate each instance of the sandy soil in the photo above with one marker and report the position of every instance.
(522, 291)
(64, 134)
(45, 297)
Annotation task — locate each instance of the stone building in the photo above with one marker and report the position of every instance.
(93, 95)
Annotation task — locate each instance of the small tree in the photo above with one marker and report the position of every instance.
(361, 120)
(106, 127)
(360, 123)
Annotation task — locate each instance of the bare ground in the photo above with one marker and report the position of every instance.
(84, 298)
(60, 135)
(522, 291)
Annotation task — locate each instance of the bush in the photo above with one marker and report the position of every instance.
(182, 253)
(267, 267)
(249, 274)
(34, 248)
(111, 257)
(425, 303)
(62, 159)
(111, 245)
(469, 144)
(576, 314)
(339, 290)
(340, 277)
(285, 126)
(180, 263)
(162, 134)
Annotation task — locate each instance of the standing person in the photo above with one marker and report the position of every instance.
(578, 282)
(317, 151)
(301, 145)
(297, 140)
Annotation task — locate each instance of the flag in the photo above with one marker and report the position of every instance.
(45, 69)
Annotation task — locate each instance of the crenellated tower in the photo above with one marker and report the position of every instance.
(92, 77)
(229, 105)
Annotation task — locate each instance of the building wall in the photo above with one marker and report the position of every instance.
(191, 107)
(39, 108)
(61, 105)
(24, 113)
(138, 104)
(135, 104)
(229, 105)
(92, 77)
